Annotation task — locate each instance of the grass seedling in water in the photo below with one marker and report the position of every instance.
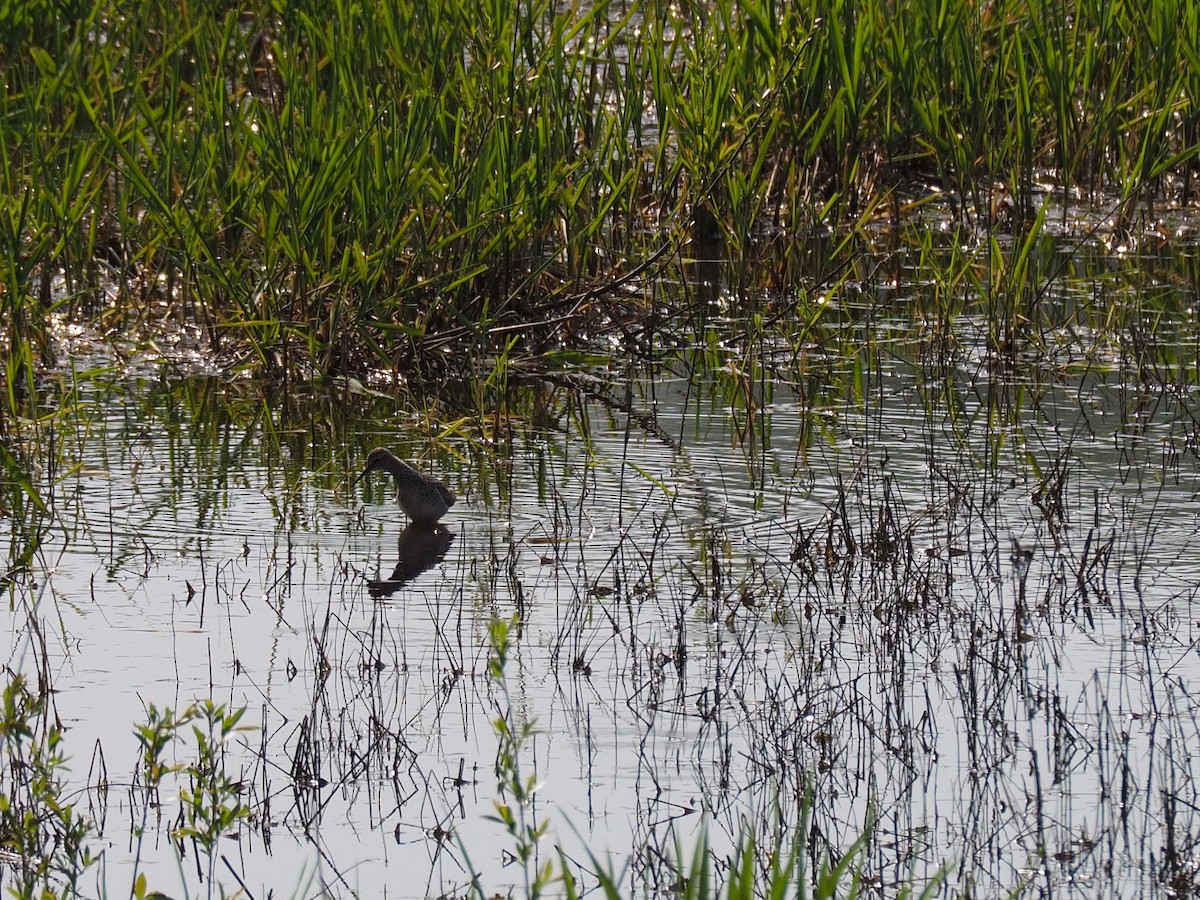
(211, 802)
(42, 837)
(514, 805)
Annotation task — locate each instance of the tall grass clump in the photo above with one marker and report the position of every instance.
(332, 187)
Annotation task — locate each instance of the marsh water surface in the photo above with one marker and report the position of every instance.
(958, 607)
(942, 598)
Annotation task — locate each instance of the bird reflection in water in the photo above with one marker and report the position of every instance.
(419, 548)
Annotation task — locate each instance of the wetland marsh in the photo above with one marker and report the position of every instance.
(819, 385)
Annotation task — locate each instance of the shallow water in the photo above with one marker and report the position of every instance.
(958, 607)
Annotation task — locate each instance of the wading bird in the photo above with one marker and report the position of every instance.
(422, 497)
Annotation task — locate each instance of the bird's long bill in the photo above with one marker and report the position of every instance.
(365, 472)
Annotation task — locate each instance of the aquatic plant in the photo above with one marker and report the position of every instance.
(43, 835)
